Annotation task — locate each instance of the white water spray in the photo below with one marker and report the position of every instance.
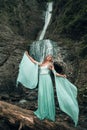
(43, 47)
(47, 19)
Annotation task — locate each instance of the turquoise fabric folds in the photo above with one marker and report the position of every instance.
(28, 73)
(46, 104)
(67, 97)
(66, 91)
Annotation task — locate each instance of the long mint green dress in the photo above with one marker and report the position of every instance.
(66, 91)
(46, 104)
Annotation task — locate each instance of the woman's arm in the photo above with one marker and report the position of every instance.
(57, 74)
(61, 75)
(34, 61)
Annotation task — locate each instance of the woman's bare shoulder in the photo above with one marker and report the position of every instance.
(25, 52)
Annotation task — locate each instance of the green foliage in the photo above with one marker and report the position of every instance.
(83, 52)
(44, 1)
(49, 0)
(20, 15)
(72, 18)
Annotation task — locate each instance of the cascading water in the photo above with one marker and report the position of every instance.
(43, 47)
(40, 49)
(47, 19)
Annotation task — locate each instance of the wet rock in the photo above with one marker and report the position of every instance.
(20, 23)
(4, 125)
(4, 97)
(22, 101)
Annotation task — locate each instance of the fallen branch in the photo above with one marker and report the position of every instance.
(25, 118)
(15, 114)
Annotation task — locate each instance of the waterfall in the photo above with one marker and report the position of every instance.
(47, 19)
(43, 47)
(40, 49)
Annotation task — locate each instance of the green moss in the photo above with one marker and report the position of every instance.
(84, 39)
(72, 18)
(67, 41)
(83, 52)
(49, 0)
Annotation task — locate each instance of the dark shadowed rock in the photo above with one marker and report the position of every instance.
(20, 23)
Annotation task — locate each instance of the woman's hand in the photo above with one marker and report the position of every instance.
(64, 75)
(39, 63)
(34, 61)
(61, 75)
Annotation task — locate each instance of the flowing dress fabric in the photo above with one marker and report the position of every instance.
(46, 105)
(66, 91)
(67, 97)
(28, 73)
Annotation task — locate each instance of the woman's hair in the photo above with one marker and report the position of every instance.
(28, 48)
(46, 58)
(58, 67)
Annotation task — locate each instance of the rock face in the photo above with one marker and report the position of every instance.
(67, 29)
(20, 23)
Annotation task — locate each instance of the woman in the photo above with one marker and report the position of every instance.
(66, 91)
